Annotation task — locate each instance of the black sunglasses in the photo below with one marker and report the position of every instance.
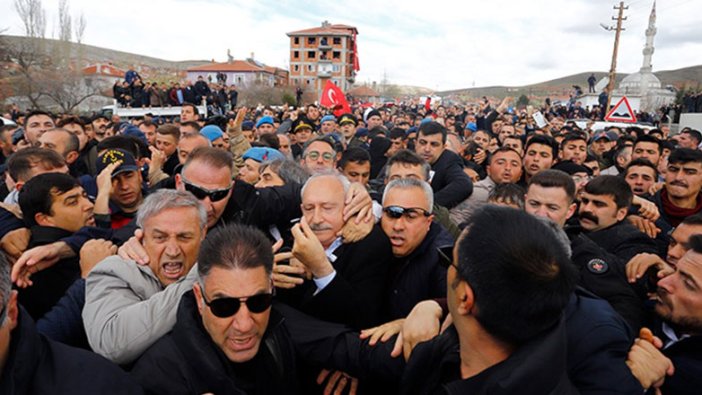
(396, 212)
(200, 193)
(227, 307)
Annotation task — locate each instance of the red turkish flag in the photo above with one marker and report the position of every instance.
(333, 97)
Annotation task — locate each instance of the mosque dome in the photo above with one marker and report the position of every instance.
(639, 82)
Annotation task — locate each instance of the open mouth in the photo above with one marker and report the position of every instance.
(241, 343)
(397, 241)
(172, 270)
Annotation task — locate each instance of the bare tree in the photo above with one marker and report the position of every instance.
(64, 27)
(79, 28)
(33, 17)
(47, 74)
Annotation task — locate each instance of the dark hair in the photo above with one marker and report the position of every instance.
(696, 243)
(695, 219)
(508, 193)
(376, 131)
(34, 113)
(407, 157)
(324, 139)
(685, 155)
(397, 133)
(551, 178)
(211, 156)
(520, 274)
(572, 137)
(642, 162)
(195, 110)
(543, 140)
(71, 120)
(269, 140)
(431, 128)
(645, 138)
(192, 124)
(148, 124)
(251, 250)
(169, 130)
(655, 131)
(22, 162)
(500, 150)
(611, 185)
(694, 134)
(353, 154)
(36, 196)
(636, 130)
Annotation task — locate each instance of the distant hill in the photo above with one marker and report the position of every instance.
(91, 54)
(680, 78)
(152, 67)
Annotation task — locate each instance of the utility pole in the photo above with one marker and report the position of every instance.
(612, 71)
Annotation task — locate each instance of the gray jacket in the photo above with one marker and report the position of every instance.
(479, 198)
(127, 308)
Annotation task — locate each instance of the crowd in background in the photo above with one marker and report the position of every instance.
(408, 248)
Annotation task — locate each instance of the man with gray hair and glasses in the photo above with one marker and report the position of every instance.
(33, 364)
(129, 306)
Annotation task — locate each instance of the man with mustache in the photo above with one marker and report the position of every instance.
(680, 197)
(603, 207)
(347, 280)
(100, 124)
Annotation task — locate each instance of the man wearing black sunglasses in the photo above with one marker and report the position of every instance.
(230, 337)
(408, 222)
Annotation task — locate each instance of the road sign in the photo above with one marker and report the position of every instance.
(621, 112)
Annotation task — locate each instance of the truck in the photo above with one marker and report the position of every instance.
(133, 112)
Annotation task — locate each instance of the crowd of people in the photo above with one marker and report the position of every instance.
(414, 249)
(134, 92)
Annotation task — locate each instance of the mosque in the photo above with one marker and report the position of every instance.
(643, 86)
(643, 89)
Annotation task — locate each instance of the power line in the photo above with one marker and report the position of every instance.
(613, 69)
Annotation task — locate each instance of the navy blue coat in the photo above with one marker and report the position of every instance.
(64, 323)
(418, 276)
(37, 365)
(449, 183)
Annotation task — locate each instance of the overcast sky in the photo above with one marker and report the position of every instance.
(435, 44)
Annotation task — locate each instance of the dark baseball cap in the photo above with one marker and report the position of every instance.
(113, 155)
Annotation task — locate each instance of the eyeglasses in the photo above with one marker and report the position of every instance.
(409, 213)
(227, 307)
(314, 155)
(200, 193)
(578, 179)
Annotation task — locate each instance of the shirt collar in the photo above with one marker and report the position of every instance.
(671, 335)
(330, 251)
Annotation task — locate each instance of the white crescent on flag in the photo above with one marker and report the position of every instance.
(330, 94)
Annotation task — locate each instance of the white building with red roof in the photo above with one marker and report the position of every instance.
(240, 73)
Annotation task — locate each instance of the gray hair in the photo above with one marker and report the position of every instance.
(5, 286)
(288, 170)
(408, 183)
(164, 199)
(328, 173)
